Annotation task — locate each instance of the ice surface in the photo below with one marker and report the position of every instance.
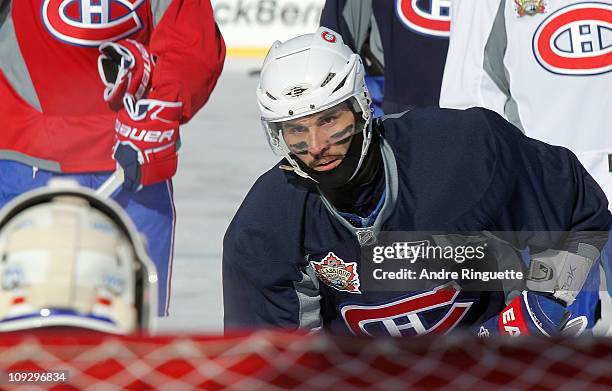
(223, 152)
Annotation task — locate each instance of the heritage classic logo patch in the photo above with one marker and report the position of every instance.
(529, 7)
(91, 22)
(429, 17)
(576, 40)
(430, 312)
(336, 273)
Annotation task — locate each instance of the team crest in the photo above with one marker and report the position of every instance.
(329, 37)
(576, 40)
(91, 22)
(428, 17)
(529, 7)
(434, 311)
(336, 273)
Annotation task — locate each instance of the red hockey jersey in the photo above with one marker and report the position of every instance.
(52, 112)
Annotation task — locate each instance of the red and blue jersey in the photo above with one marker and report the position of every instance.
(52, 114)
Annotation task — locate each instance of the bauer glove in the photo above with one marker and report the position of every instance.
(536, 314)
(146, 141)
(125, 67)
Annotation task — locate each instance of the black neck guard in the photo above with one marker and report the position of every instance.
(361, 194)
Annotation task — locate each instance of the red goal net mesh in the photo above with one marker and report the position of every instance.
(282, 361)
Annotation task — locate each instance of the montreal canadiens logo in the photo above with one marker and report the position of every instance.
(431, 17)
(329, 37)
(91, 22)
(409, 316)
(576, 40)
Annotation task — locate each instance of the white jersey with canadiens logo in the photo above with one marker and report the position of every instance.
(546, 65)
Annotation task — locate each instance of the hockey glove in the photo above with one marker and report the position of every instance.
(146, 141)
(536, 314)
(125, 67)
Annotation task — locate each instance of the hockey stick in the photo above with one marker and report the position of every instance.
(112, 183)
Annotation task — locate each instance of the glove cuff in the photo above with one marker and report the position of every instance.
(125, 68)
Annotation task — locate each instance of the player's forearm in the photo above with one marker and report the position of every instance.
(190, 52)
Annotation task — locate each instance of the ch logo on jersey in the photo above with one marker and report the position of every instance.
(91, 22)
(406, 316)
(429, 17)
(576, 40)
(329, 37)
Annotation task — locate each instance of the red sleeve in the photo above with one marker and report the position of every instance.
(190, 52)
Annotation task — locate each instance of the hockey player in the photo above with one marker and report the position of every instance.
(159, 61)
(402, 44)
(546, 67)
(292, 254)
(72, 259)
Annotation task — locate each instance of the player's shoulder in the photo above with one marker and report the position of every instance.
(272, 209)
(451, 160)
(476, 134)
(264, 242)
(428, 129)
(428, 119)
(271, 195)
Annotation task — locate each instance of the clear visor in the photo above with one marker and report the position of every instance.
(317, 132)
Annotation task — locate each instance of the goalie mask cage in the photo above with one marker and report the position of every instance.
(270, 361)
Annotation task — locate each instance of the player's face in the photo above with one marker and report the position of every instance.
(321, 140)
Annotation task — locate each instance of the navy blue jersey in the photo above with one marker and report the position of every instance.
(445, 170)
(413, 39)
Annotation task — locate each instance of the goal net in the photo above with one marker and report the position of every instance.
(271, 360)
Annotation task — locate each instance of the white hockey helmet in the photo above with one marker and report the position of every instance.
(71, 258)
(308, 74)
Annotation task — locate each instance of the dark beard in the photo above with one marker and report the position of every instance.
(360, 194)
(367, 184)
(341, 174)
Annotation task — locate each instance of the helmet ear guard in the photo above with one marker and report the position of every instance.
(71, 258)
(306, 75)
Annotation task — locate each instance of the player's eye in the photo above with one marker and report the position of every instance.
(328, 120)
(295, 129)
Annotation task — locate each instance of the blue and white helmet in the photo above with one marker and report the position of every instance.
(71, 258)
(308, 74)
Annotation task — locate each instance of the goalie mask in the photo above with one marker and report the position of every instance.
(70, 258)
(306, 83)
